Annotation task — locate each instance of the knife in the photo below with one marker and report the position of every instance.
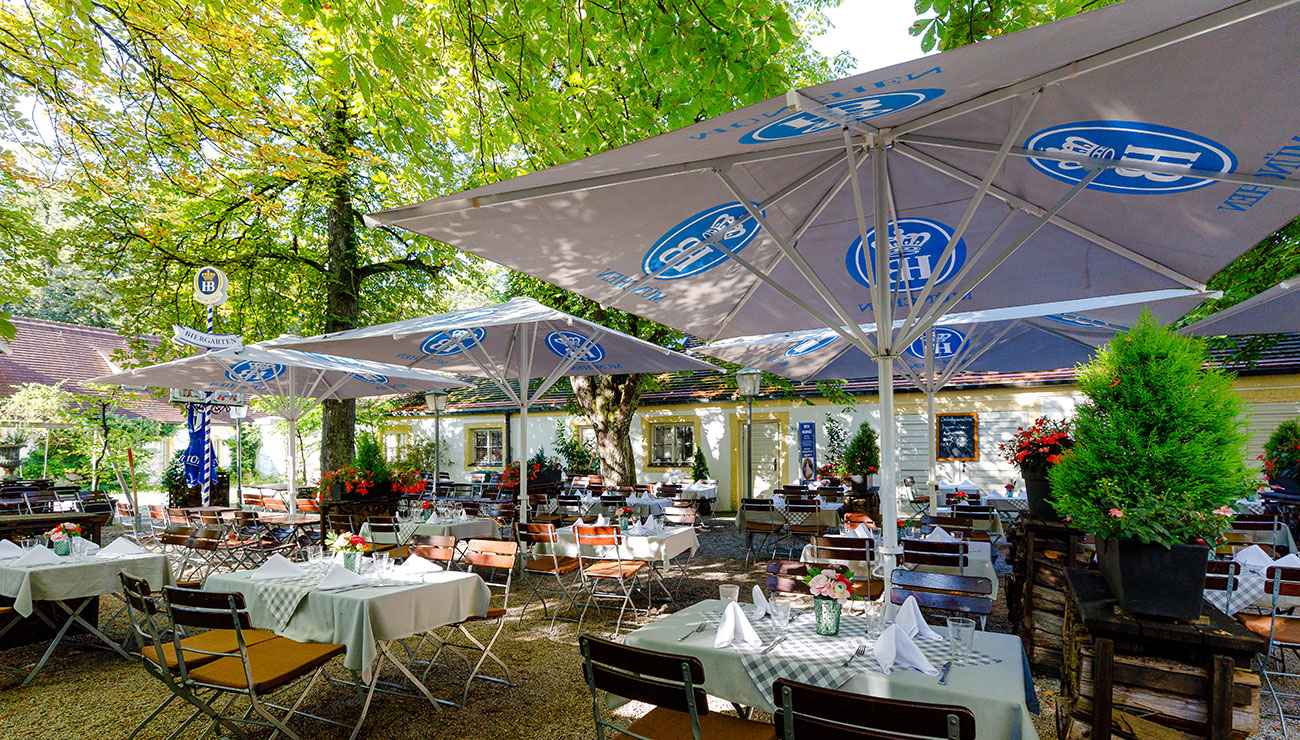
(943, 673)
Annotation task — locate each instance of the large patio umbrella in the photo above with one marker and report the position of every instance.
(292, 383)
(1275, 311)
(1140, 146)
(958, 343)
(519, 340)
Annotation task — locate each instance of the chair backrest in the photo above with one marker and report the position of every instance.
(948, 522)
(205, 538)
(1283, 582)
(964, 594)
(252, 498)
(177, 516)
(806, 712)
(606, 537)
(124, 510)
(679, 515)
(308, 504)
(757, 504)
(156, 512)
(661, 679)
(175, 535)
(440, 548)
(493, 561)
(927, 552)
(536, 534)
(1222, 575)
(856, 549)
(383, 525)
(338, 523)
(855, 519)
(206, 610)
(973, 512)
(611, 500)
(274, 503)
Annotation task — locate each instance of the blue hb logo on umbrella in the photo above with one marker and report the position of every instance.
(253, 372)
(1127, 141)
(375, 378)
(809, 345)
(947, 343)
(452, 342)
(859, 109)
(728, 224)
(1075, 319)
(917, 256)
(571, 345)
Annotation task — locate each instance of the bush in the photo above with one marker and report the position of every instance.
(370, 456)
(699, 466)
(1282, 451)
(862, 456)
(576, 453)
(1158, 442)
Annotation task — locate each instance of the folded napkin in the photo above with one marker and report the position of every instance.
(340, 577)
(635, 527)
(120, 546)
(39, 555)
(600, 521)
(939, 535)
(894, 649)
(967, 486)
(277, 566)
(761, 607)
(861, 531)
(1253, 556)
(910, 621)
(736, 629)
(416, 565)
(946, 482)
(1288, 561)
(9, 550)
(778, 500)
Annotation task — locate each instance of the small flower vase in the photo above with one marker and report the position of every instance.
(63, 547)
(827, 613)
(622, 524)
(352, 561)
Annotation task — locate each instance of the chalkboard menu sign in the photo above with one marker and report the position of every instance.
(958, 437)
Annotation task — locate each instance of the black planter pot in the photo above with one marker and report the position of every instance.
(379, 490)
(1153, 580)
(1039, 492)
(860, 483)
(1285, 485)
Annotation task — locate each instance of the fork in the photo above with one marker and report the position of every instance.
(861, 649)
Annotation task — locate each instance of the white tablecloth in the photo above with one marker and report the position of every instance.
(655, 548)
(93, 576)
(994, 692)
(358, 618)
(692, 491)
(1008, 504)
(461, 530)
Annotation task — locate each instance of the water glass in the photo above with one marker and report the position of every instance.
(875, 614)
(781, 614)
(961, 638)
(729, 592)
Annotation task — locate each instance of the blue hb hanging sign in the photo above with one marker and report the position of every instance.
(947, 343)
(727, 224)
(1130, 141)
(914, 260)
(210, 286)
(857, 109)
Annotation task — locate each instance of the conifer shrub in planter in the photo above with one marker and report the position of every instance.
(862, 458)
(1157, 457)
(1282, 457)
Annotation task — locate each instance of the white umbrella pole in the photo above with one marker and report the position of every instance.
(932, 479)
(888, 468)
(525, 358)
(293, 464)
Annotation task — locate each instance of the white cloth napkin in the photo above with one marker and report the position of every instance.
(967, 486)
(778, 501)
(39, 555)
(9, 550)
(277, 566)
(946, 482)
(862, 532)
(894, 649)
(1288, 561)
(761, 607)
(120, 546)
(340, 577)
(736, 629)
(600, 521)
(909, 620)
(940, 535)
(635, 527)
(416, 565)
(1253, 556)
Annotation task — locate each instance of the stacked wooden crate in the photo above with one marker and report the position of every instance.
(1040, 551)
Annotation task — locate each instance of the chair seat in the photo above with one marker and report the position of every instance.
(869, 589)
(762, 527)
(491, 614)
(189, 583)
(551, 564)
(668, 724)
(614, 568)
(274, 663)
(222, 641)
(1288, 628)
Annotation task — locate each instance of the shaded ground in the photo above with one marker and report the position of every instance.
(86, 692)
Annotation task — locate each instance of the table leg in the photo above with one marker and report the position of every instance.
(1103, 675)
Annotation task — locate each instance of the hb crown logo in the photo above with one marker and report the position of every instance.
(1139, 143)
(452, 342)
(947, 343)
(571, 345)
(858, 109)
(913, 258)
(255, 373)
(1077, 319)
(727, 224)
(210, 286)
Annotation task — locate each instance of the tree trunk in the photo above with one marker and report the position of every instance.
(610, 402)
(342, 285)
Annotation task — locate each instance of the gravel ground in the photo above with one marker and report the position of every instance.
(89, 692)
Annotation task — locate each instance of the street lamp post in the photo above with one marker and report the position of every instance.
(239, 413)
(748, 381)
(436, 401)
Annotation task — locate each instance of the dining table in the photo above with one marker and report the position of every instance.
(994, 682)
(466, 528)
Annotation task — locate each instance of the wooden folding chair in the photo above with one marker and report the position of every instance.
(545, 568)
(961, 594)
(806, 712)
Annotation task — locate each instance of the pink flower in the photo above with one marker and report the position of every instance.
(819, 585)
(1224, 511)
(839, 591)
(1116, 513)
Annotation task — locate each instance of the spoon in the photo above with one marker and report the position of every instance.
(700, 628)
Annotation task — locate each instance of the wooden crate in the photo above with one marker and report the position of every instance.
(1159, 680)
(1039, 553)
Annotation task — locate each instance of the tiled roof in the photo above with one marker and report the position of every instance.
(701, 387)
(52, 352)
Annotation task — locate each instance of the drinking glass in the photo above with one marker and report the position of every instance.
(961, 638)
(781, 615)
(315, 553)
(381, 563)
(875, 613)
(729, 592)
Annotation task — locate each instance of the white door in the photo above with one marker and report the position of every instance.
(767, 457)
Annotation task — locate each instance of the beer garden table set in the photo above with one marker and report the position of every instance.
(979, 553)
(460, 527)
(828, 515)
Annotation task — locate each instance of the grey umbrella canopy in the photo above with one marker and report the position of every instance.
(1275, 311)
(292, 383)
(519, 340)
(960, 343)
(1137, 147)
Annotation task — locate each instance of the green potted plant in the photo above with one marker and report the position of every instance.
(1034, 451)
(1282, 457)
(368, 475)
(699, 466)
(862, 458)
(1157, 457)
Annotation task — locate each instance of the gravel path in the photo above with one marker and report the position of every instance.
(86, 692)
